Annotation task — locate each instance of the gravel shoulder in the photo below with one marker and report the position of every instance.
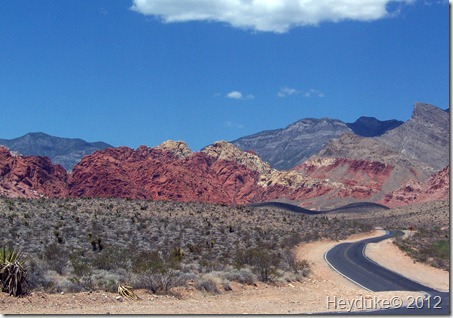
(318, 293)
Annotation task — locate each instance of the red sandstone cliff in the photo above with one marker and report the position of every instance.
(163, 173)
(30, 177)
(437, 187)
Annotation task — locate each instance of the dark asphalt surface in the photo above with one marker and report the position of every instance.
(349, 260)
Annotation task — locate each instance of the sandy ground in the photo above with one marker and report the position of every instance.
(399, 262)
(324, 291)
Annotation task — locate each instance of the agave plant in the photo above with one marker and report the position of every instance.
(12, 272)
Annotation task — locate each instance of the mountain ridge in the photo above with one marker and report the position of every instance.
(64, 151)
(287, 147)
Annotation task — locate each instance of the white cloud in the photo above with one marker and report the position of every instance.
(234, 95)
(313, 93)
(239, 95)
(287, 91)
(266, 15)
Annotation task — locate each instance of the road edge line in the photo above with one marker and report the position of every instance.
(336, 270)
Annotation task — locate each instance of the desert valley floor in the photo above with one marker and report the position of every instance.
(59, 286)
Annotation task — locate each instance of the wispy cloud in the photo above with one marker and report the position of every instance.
(287, 91)
(232, 124)
(433, 2)
(313, 93)
(266, 15)
(239, 95)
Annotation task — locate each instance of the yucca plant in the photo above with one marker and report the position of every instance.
(12, 272)
(127, 292)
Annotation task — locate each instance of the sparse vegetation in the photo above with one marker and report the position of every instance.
(431, 246)
(85, 244)
(430, 224)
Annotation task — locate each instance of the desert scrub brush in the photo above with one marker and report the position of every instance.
(12, 272)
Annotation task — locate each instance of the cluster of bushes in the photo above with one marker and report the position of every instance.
(427, 245)
(73, 245)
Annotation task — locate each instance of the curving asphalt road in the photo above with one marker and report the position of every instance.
(349, 260)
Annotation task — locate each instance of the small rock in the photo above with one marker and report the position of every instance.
(62, 293)
(119, 298)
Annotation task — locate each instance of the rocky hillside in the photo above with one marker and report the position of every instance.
(362, 168)
(168, 172)
(424, 137)
(347, 169)
(285, 148)
(30, 177)
(436, 188)
(63, 151)
(221, 173)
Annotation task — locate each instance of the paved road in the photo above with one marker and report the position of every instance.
(350, 261)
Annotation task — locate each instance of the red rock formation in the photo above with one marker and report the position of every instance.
(30, 177)
(163, 174)
(437, 187)
(221, 173)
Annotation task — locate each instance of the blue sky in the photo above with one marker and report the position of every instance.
(141, 72)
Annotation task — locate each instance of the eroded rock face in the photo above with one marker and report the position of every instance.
(179, 148)
(163, 174)
(353, 168)
(286, 148)
(347, 169)
(30, 177)
(424, 137)
(437, 187)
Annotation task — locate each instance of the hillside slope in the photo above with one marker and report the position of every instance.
(63, 151)
(424, 137)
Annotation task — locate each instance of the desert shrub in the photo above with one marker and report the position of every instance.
(148, 261)
(113, 257)
(159, 282)
(243, 276)
(427, 246)
(207, 284)
(287, 277)
(68, 286)
(36, 274)
(264, 262)
(13, 274)
(295, 265)
(81, 266)
(441, 249)
(56, 257)
(105, 280)
(158, 272)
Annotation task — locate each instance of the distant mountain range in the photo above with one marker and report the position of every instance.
(284, 148)
(406, 164)
(64, 151)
